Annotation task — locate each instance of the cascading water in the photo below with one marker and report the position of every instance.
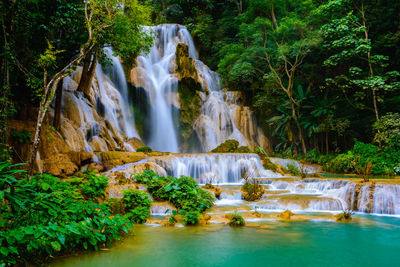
(215, 168)
(117, 75)
(157, 75)
(159, 83)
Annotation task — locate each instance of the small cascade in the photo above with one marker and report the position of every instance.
(215, 168)
(100, 121)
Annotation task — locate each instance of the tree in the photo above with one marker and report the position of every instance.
(346, 37)
(103, 19)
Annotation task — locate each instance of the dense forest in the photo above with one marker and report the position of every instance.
(319, 74)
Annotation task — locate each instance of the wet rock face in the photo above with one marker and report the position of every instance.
(185, 65)
(189, 110)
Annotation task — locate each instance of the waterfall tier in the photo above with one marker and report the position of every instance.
(161, 76)
(215, 168)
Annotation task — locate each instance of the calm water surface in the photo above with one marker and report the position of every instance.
(369, 241)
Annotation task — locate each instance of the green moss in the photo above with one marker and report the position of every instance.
(229, 146)
(269, 165)
(144, 149)
(190, 104)
(236, 220)
(185, 64)
(244, 149)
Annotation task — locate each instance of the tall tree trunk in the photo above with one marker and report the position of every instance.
(58, 107)
(273, 17)
(300, 131)
(326, 142)
(371, 70)
(88, 70)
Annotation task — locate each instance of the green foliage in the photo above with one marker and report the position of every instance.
(236, 220)
(292, 169)
(382, 161)
(184, 193)
(44, 216)
(92, 185)
(191, 217)
(137, 205)
(388, 130)
(23, 136)
(144, 149)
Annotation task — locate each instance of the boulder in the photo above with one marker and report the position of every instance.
(229, 146)
(135, 142)
(285, 215)
(112, 159)
(59, 165)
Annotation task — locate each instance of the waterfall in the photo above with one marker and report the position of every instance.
(215, 168)
(159, 83)
(117, 75)
(156, 74)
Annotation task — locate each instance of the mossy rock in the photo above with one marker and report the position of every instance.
(185, 65)
(244, 149)
(145, 149)
(252, 192)
(229, 146)
(286, 215)
(269, 165)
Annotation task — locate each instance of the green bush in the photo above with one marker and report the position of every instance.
(342, 163)
(244, 149)
(383, 160)
(191, 217)
(92, 185)
(292, 169)
(236, 220)
(313, 156)
(136, 204)
(145, 176)
(184, 193)
(252, 191)
(144, 149)
(43, 216)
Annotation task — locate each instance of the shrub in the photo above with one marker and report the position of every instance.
(342, 163)
(145, 176)
(388, 130)
(44, 216)
(184, 193)
(236, 220)
(252, 191)
(144, 149)
(136, 204)
(292, 169)
(313, 156)
(92, 185)
(191, 217)
(116, 205)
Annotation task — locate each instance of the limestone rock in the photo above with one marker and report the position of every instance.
(59, 165)
(135, 142)
(112, 159)
(285, 215)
